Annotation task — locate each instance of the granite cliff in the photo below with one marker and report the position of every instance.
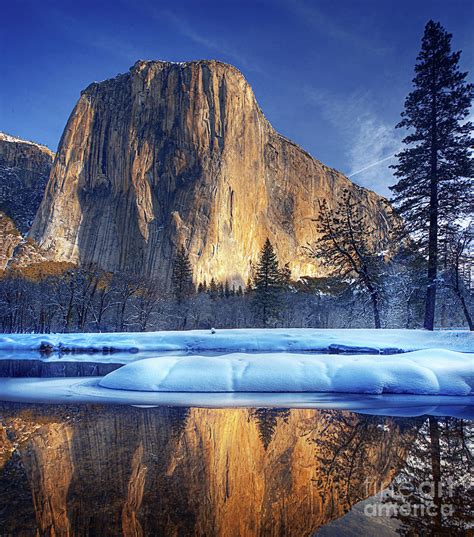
(24, 172)
(173, 154)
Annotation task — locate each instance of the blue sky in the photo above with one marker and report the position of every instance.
(332, 76)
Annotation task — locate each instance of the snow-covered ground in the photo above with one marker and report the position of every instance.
(249, 340)
(425, 372)
(83, 391)
(205, 363)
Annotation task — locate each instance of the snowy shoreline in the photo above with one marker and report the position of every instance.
(261, 360)
(367, 341)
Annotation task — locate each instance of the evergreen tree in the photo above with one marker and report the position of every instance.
(213, 290)
(220, 290)
(182, 278)
(267, 285)
(435, 168)
(227, 291)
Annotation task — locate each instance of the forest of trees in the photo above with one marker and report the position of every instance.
(412, 277)
(49, 298)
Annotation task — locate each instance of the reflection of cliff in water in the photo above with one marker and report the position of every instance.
(164, 471)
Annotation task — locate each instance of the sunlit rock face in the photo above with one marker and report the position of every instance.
(24, 172)
(166, 471)
(181, 154)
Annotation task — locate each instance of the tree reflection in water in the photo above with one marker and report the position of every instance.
(267, 420)
(433, 494)
(344, 454)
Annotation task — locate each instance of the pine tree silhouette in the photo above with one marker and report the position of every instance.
(267, 285)
(435, 168)
(182, 278)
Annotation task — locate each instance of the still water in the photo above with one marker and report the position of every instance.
(110, 470)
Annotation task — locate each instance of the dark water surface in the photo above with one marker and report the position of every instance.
(106, 470)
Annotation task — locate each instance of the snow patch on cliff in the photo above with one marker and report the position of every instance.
(4, 137)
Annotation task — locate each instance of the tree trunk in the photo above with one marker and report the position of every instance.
(375, 306)
(436, 469)
(374, 297)
(122, 316)
(466, 311)
(430, 304)
(68, 319)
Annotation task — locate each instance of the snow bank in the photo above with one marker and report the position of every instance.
(426, 372)
(247, 340)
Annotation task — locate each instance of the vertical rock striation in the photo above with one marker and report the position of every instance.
(181, 154)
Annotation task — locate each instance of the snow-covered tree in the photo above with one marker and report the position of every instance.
(459, 254)
(347, 246)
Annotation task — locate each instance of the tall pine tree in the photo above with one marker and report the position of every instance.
(267, 285)
(434, 170)
(182, 278)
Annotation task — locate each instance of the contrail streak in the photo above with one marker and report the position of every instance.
(371, 165)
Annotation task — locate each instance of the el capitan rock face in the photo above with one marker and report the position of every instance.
(181, 154)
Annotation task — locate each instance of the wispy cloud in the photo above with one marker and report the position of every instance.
(368, 142)
(368, 166)
(222, 47)
(314, 17)
(214, 45)
(372, 151)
